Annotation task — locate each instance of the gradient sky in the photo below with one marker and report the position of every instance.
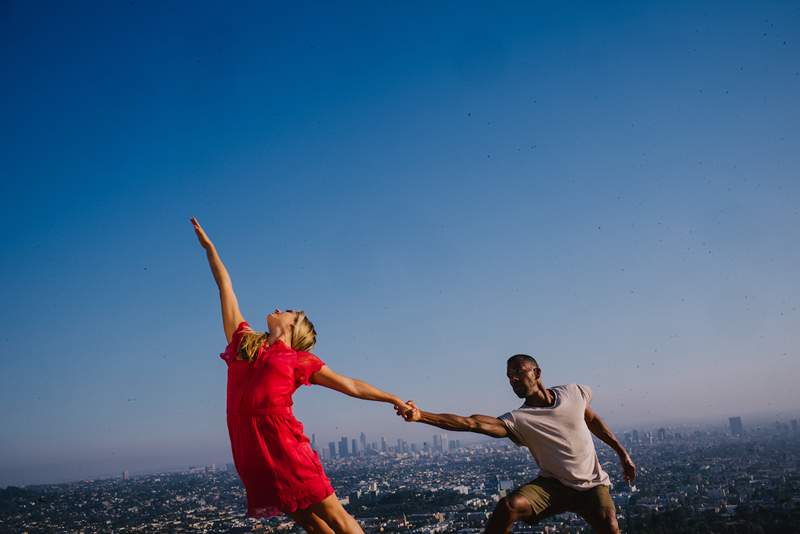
(611, 187)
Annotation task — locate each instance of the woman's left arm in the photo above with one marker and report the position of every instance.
(355, 388)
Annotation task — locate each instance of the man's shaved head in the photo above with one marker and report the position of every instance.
(519, 358)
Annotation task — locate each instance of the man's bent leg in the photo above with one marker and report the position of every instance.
(597, 508)
(507, 512)
(530, 503)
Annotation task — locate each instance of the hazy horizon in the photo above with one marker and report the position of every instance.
(750, 422)
(610, 188)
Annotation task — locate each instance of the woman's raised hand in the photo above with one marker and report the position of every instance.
(205, 242)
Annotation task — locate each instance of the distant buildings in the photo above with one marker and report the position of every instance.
(736, 426)
(440, 443)
(683, 489)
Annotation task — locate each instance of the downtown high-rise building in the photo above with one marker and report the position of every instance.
(332, 449)
(736, 426)
(343, 447)
(440, 443)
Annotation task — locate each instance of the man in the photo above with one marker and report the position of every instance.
(556, 424)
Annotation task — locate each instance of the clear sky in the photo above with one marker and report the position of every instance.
(610, 187)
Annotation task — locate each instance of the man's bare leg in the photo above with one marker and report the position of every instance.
(508, 511)
(604, 522)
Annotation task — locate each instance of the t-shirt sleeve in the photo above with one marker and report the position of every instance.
(586, 392)
(508, 420)
(307, 365)
(232, 350)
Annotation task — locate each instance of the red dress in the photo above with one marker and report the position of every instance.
(280, 471)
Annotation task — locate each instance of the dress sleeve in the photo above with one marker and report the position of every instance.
(307, 365)
(232, 350)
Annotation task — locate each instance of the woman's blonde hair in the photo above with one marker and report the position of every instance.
(303, 338)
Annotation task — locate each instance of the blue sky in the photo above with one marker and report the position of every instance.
(613, 189)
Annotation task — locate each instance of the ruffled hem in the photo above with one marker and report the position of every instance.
(291, 504)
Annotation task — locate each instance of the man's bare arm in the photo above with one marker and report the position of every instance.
(599, 428)
(481, 424)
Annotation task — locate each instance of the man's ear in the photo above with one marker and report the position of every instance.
(537, 372)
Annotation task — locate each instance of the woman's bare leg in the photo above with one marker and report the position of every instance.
(311, 522)
(331, 511)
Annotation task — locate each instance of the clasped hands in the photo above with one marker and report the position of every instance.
(408, 411)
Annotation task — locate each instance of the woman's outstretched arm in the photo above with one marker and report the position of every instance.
(231, 316)
(355, 388)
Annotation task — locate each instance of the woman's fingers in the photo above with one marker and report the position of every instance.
(201, 235)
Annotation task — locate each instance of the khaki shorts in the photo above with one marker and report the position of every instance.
(549, 497)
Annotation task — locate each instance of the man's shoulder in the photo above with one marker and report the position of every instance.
(570, 387)
(509, 415)
(575, 390)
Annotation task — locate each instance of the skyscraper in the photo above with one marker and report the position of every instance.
(343, 447)
(332, 449)
(353, 447)
(736, 426)
(125, 475)
(383, 444)
(363, 441)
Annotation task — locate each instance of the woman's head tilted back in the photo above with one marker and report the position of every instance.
(303, 333)
(293, 326)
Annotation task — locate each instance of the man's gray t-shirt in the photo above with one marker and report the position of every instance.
(559, 439)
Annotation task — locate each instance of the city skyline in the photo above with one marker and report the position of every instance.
(611, 189)
(702, 479)
(642, 435)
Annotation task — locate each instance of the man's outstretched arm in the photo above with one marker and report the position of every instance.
(599, 428)
(482, 424)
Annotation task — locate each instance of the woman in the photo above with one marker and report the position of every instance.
(280, 471)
